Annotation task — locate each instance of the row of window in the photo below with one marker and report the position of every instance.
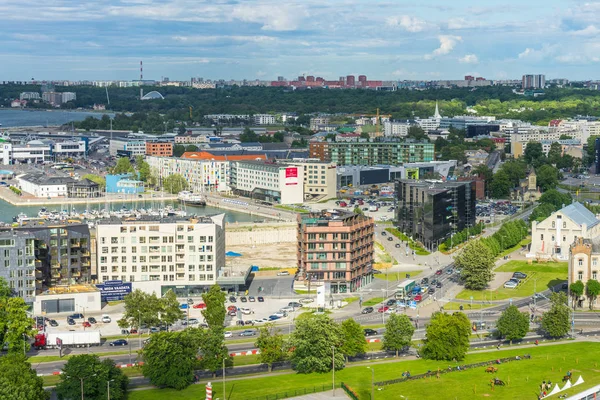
(338, 265)
(594, 262)
(165, 278)
(154, 239)
(580, 275)
(564, 238)
(163, 259)
(154, 249)
(157, 268)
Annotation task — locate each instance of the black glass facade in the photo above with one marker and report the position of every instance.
(430, 211)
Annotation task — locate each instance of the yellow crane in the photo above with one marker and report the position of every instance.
(191, 108)
(378, 120)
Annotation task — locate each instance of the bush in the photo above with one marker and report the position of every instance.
(16, 190)
(463, 236)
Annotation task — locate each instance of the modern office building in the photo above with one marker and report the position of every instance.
(159, 149)
(264, 119)
(157, 254)
(552, 237)
(335, 247)
(127, 147)
(431, 211)
(268, 181)
(372, 153)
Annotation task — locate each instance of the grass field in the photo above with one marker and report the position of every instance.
(412, 244)
(547, 275)
(373, 301)
(523, 377)
(292, 209)
(466, 306)
(43, 359)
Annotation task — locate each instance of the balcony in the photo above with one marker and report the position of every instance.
(75, 273)
(55, 265)
(56, 275)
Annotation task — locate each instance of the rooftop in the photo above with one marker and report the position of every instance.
(205, 155)
(577, 213)
(324, 217)
(148, 219)
(43, 179)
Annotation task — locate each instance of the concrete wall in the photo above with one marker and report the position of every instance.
(84, 302)
(256, 234)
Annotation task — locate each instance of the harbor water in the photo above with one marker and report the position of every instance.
(11, 118)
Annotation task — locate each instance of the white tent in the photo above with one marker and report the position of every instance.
(554, 391)
(579, 381)
(567, 385)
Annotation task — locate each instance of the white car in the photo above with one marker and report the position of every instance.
(193, 321)
(106, 319)
(390, 311)
(306, 301)
(245, 310)
(228, 334)
(283, 273)
(281, 314)
(286, 309)
(510, 285)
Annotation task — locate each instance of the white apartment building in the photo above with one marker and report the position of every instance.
(29, 96)
(136, 147)
(579, 129)
(156, 255)
(317, 122)
(40, 185)
(429, 124)
(275, 183)
(395, 128)
(202, 175)
(552, 237)
(264, 119)
(320, 178)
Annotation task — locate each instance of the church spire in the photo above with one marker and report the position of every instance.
(437, 111)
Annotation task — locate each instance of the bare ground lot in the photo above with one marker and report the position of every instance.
(265, 256)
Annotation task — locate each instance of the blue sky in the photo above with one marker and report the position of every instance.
(261, 39)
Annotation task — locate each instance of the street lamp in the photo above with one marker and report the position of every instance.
(372, 382)
(333, 368)
(108, 388)
(81, 381)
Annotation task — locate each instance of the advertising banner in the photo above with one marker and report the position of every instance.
(113, 290)
(291, 176)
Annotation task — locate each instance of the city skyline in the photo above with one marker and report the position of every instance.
(262, 39)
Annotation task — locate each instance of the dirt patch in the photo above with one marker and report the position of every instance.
(266, 256)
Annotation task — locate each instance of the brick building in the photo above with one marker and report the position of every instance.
(160, 149)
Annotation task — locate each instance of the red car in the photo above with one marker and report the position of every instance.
(199, 305)
(438, 272)
(86, 324)
(232, 308)
(382, 309)
(418, 298)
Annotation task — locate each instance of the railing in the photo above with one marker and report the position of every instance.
(350, 392)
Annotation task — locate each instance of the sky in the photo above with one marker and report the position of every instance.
(263, 39)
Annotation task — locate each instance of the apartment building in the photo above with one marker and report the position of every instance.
(372, 153)
(268, 181)
(127, 147)
(396, 128)
(336, 247)
(159, 149)
(264, 119)
(157, 254)
(320, 178)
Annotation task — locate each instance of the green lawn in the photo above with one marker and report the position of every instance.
(292, 209)
(466, 306)
(524, 377)
(412, 244)
(373, 301)
(547, 275)
(393, 276)
(44, 359)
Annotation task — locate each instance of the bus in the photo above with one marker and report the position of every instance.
(404, 288)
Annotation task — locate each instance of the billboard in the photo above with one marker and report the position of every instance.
(113, 290)
(291, 176)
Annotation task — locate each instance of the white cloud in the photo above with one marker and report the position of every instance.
(272, 18)
(469, 59)
(463, 23)
(590, 30)
(447, 44)
(410, 24)
(532, 54)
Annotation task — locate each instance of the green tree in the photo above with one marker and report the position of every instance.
(175, 183)
(18, 381)
(398, 333)
(513, 324)
(313, 342)
(141, 308)
(178, 150)
(556, 198)
(143, 168)
(214, 313)
(271, 344)
(100, 180)
(592, 290)
(358, 210)
(15, 325)
(447, 337)
(94, 373)
(500, 185)
(171, 358)
(169, 308)
(555, 321)
(353, 339)
(248, 136)
(363, 135)
(213, 347)
(476, 262)
(542, 212)
(417, 133)
(484, 172)
(515, 170)
(576, 290)
(534, 153)
(547, 177)
(191, 148)
(555, 153)
(123, 166)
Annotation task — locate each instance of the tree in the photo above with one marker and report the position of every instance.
(515, 170)
(94, 373)
(191, 148)
(169, 308)
(534, 153)
(398, 333)
(558, 199)
(141, 308)
(476, 262)
(170, 358)
(313, 342)
(500, 185)
(15, 324)
(178, 150)
(143, 168)
(213, 347)
(123, 166)
(555, 322)
(592, 290)
(248, 136)
(214, 352)
(358, 210)
(214, 313)
(576, 290)
(100, 180)
(175, 183)
(542, 212)
(18, 381)
(513, 324)
(547, 177)
(555, 153)
(271, 344)
(417, 133)
(353, 339)
(365, 135)
(447, 337)
(484, 172)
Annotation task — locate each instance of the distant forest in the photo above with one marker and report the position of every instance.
(498, 101)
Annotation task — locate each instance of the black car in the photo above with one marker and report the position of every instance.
(390, 303)
(53, 322)
(260, 299)
(367, 310)
(519, 275)
(397, 245)
(92, 320)
(370, 332)
(243, 299)
(119, 342)
(424, 280)
(390, 238)
(70, 321)
(76, 316)
(376, 271)
(232, 299)
(431, 290)
(438, 285)
(251, 299)
(384, 233)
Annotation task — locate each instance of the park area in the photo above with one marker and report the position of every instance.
(540, 276)
(522, 378)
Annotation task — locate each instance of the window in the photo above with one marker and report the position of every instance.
(322, 236)
(580, 275)
(564, 238)
(595, 275)
(553, 238)
(542, 236)
(312, 246)
(580, 262)
(595, 263)
(565, 224)
(554, 224)
(312, 236)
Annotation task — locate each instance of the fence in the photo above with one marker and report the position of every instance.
(297, 392)
(349, 392)
(451, 369)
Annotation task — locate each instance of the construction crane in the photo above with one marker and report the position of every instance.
(378, 120)
(191, 108)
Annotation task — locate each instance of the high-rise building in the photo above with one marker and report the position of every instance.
(336, 247)
(362, 80)
(372, 153)
(533, 81)
(431, 211)
(350, 80)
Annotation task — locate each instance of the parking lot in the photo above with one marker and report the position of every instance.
(491, 211)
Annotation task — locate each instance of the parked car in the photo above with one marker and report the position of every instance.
(382, 309)
(390, 303)
(156, 330)
(384, 233)
(232, 313)
(70, 321)
(418, 297)
(183, 306)
(245, 310)
(287, 309)
(199, 305)
(425, 281)
(283, 273)
(273, 317)
(248, 332)
(438, 285)
(119, 342)
(193, 321)
(370, 332)
(228, 334)
(106, 319)
(92, 320)
(390, 239)
(510, 285)
(76, 316)
(53, 323)
(438, 272)
(260, 299)
(519, 275)
(232, 308)
(232, 299)
(367, 310)
(306, 301)
(431, 290)
(294, 304)
(251, 299)
(281, 314)
(397, 245)
(86, 324)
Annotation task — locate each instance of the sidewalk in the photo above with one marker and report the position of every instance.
(339, 394)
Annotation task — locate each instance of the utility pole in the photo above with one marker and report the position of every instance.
(224, 398)
(333, 369)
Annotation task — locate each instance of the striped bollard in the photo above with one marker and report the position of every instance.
(208, 391)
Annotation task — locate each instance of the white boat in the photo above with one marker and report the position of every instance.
(191, 198)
